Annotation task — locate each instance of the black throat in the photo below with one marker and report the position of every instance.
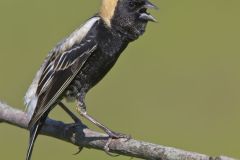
(111, 40)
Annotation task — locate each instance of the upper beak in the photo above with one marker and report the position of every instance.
(150, 5)
(147, 16)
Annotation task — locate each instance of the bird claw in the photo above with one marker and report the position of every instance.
(107, 149)
(72, 125)
(79, 151)
(114, 135)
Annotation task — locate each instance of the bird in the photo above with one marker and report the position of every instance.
(82, 59)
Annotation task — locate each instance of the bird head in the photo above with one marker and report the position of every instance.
(130, 17)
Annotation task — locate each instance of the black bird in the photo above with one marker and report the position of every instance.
(81, 60)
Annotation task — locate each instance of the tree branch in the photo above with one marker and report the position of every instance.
(84, 137)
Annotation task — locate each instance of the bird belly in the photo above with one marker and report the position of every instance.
(95, 68)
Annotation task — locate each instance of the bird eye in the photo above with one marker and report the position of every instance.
(134, 4)
(131, 4)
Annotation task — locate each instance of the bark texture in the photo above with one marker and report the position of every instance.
(83, 137)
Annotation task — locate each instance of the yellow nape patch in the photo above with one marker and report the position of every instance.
(107, 10)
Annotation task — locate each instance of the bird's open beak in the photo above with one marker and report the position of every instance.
(147, 16)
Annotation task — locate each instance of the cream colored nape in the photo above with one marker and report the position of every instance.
(107, 10)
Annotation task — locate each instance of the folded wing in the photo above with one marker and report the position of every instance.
(59, 71)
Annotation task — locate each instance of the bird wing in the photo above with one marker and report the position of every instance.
(59, 71)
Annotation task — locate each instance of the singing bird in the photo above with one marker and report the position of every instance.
(81, 60)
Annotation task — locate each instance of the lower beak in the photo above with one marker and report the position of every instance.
(147, 17)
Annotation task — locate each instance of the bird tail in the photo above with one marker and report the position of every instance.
(34, 130)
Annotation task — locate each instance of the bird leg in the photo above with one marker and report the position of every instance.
(75, 119)
(72, 115)
(81, 108)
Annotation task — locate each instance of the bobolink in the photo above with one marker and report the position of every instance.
(80, 61)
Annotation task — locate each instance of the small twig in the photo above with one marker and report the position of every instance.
(84, 137)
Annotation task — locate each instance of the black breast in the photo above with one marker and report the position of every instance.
(110, 45)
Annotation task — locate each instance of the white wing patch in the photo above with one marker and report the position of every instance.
(77, 35)
(30, 98)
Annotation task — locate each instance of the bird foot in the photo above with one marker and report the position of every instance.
(72, 125)
(107, 149)
(79, 151)
(114, 135)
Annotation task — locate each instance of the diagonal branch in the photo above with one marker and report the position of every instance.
(84, 137)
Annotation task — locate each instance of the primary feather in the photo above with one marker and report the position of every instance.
(58, 70)
(45, 72)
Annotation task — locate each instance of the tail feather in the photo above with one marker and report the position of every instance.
(33, 135)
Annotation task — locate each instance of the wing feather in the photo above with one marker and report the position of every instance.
(58, 81)
(59, 71)
(46, 69)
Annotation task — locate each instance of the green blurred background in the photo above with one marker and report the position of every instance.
(178, 85)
